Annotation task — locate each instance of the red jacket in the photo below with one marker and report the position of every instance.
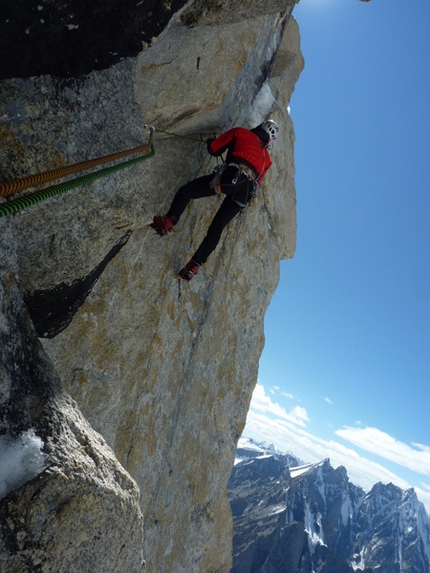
(243, 146)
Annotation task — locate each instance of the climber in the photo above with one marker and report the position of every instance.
(246, 164)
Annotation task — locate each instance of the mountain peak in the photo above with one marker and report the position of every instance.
(330, 524)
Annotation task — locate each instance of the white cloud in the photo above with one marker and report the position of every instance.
(263, 403)
(382, 444)
(423, 496)
(286, 395)
(269, 422)
(309, 448)
(299, 416)
(421, 447)
(328, 400)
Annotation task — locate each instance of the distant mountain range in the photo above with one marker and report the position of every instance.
(291, 517)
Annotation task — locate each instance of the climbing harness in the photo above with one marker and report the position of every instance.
(216, 181)
(12, 187)
(244, 170)
(241, 170)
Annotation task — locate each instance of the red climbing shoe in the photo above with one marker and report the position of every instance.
(162, 225)
(190, 269)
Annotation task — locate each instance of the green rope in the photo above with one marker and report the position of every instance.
(16, 205)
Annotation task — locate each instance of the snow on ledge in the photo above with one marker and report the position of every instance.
(303, 470)
(21, 459)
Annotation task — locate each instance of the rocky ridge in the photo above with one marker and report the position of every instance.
(310, 518)
(140, 387)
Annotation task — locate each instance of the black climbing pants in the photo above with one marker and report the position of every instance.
(236, 197)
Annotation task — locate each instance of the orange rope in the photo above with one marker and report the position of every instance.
(11, 187)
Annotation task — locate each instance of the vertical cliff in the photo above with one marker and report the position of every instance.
(137, 384)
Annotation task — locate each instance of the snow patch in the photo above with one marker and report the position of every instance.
(250, 445)
(262, 105)
(313, 528)
(21, 459)
(302, 470)
(278, 508)
(358, 562)
(247, 449)
(346, 510)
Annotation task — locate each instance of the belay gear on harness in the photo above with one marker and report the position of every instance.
(215, 183)
(241, 170)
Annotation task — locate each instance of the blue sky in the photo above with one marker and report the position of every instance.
(346, 368)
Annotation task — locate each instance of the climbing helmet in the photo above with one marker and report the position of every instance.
(271, 128)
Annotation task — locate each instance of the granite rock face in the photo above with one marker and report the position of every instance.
(62, 508)
(162, 371)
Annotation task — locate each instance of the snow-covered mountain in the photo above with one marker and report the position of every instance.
(247, 449)
(291, 517)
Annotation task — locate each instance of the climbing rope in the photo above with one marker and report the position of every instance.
(12, 187)
(200, 140)
(20, 203)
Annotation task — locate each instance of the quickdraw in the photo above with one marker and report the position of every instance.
(215, 183)
(241, 170)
